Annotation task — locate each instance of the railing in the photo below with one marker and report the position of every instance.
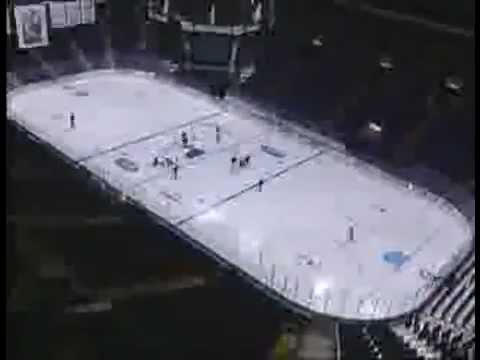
(338, 342)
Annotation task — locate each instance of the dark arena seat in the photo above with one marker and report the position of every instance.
(373, 342)
(390, 345)
(447, 321)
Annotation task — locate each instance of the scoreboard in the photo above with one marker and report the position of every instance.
(210, 48)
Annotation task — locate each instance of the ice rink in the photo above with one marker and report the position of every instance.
(326, 231)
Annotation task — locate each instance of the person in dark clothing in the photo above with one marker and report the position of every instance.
(184, 137)
(260, 185)
(155, 161)
(351, 233)
(167, 162)
(217, 134)
(247, 160)
(409, 320)
(222, 92)
(233, 163)
(244, 161)
(175, 171)
(72, 120)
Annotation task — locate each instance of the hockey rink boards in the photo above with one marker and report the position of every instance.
(325, 231)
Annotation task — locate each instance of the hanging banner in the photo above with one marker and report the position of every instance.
(71, 13)
(8, 22)
(58, 16)
(72, 9)
(31, 24)
(87, 11)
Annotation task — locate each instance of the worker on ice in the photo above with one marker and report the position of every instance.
(351, 233)
(217, 134)
(184, 137)
(233, 163)
(175, 171)
(260, 185)
(244, 161)
(72, 120)
(222, 92)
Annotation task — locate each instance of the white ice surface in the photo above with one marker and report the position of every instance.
(310, 197)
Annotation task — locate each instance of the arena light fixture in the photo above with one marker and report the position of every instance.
(386, 63)
(453, 84)
(375, 127)
(318, 41)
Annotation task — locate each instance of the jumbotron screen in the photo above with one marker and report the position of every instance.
(210, 49)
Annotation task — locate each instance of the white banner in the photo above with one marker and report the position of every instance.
(8, 22)
(31, 21)
(72, 9)
(87, 11)
(58, 15)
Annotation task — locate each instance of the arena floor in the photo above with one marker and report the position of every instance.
(326, 231)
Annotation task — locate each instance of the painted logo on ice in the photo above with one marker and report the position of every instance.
(395, 258)
(127, 164)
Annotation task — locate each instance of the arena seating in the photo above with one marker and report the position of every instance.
(446, 325)
(442, 329)
(373, 342)
(353, 345)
